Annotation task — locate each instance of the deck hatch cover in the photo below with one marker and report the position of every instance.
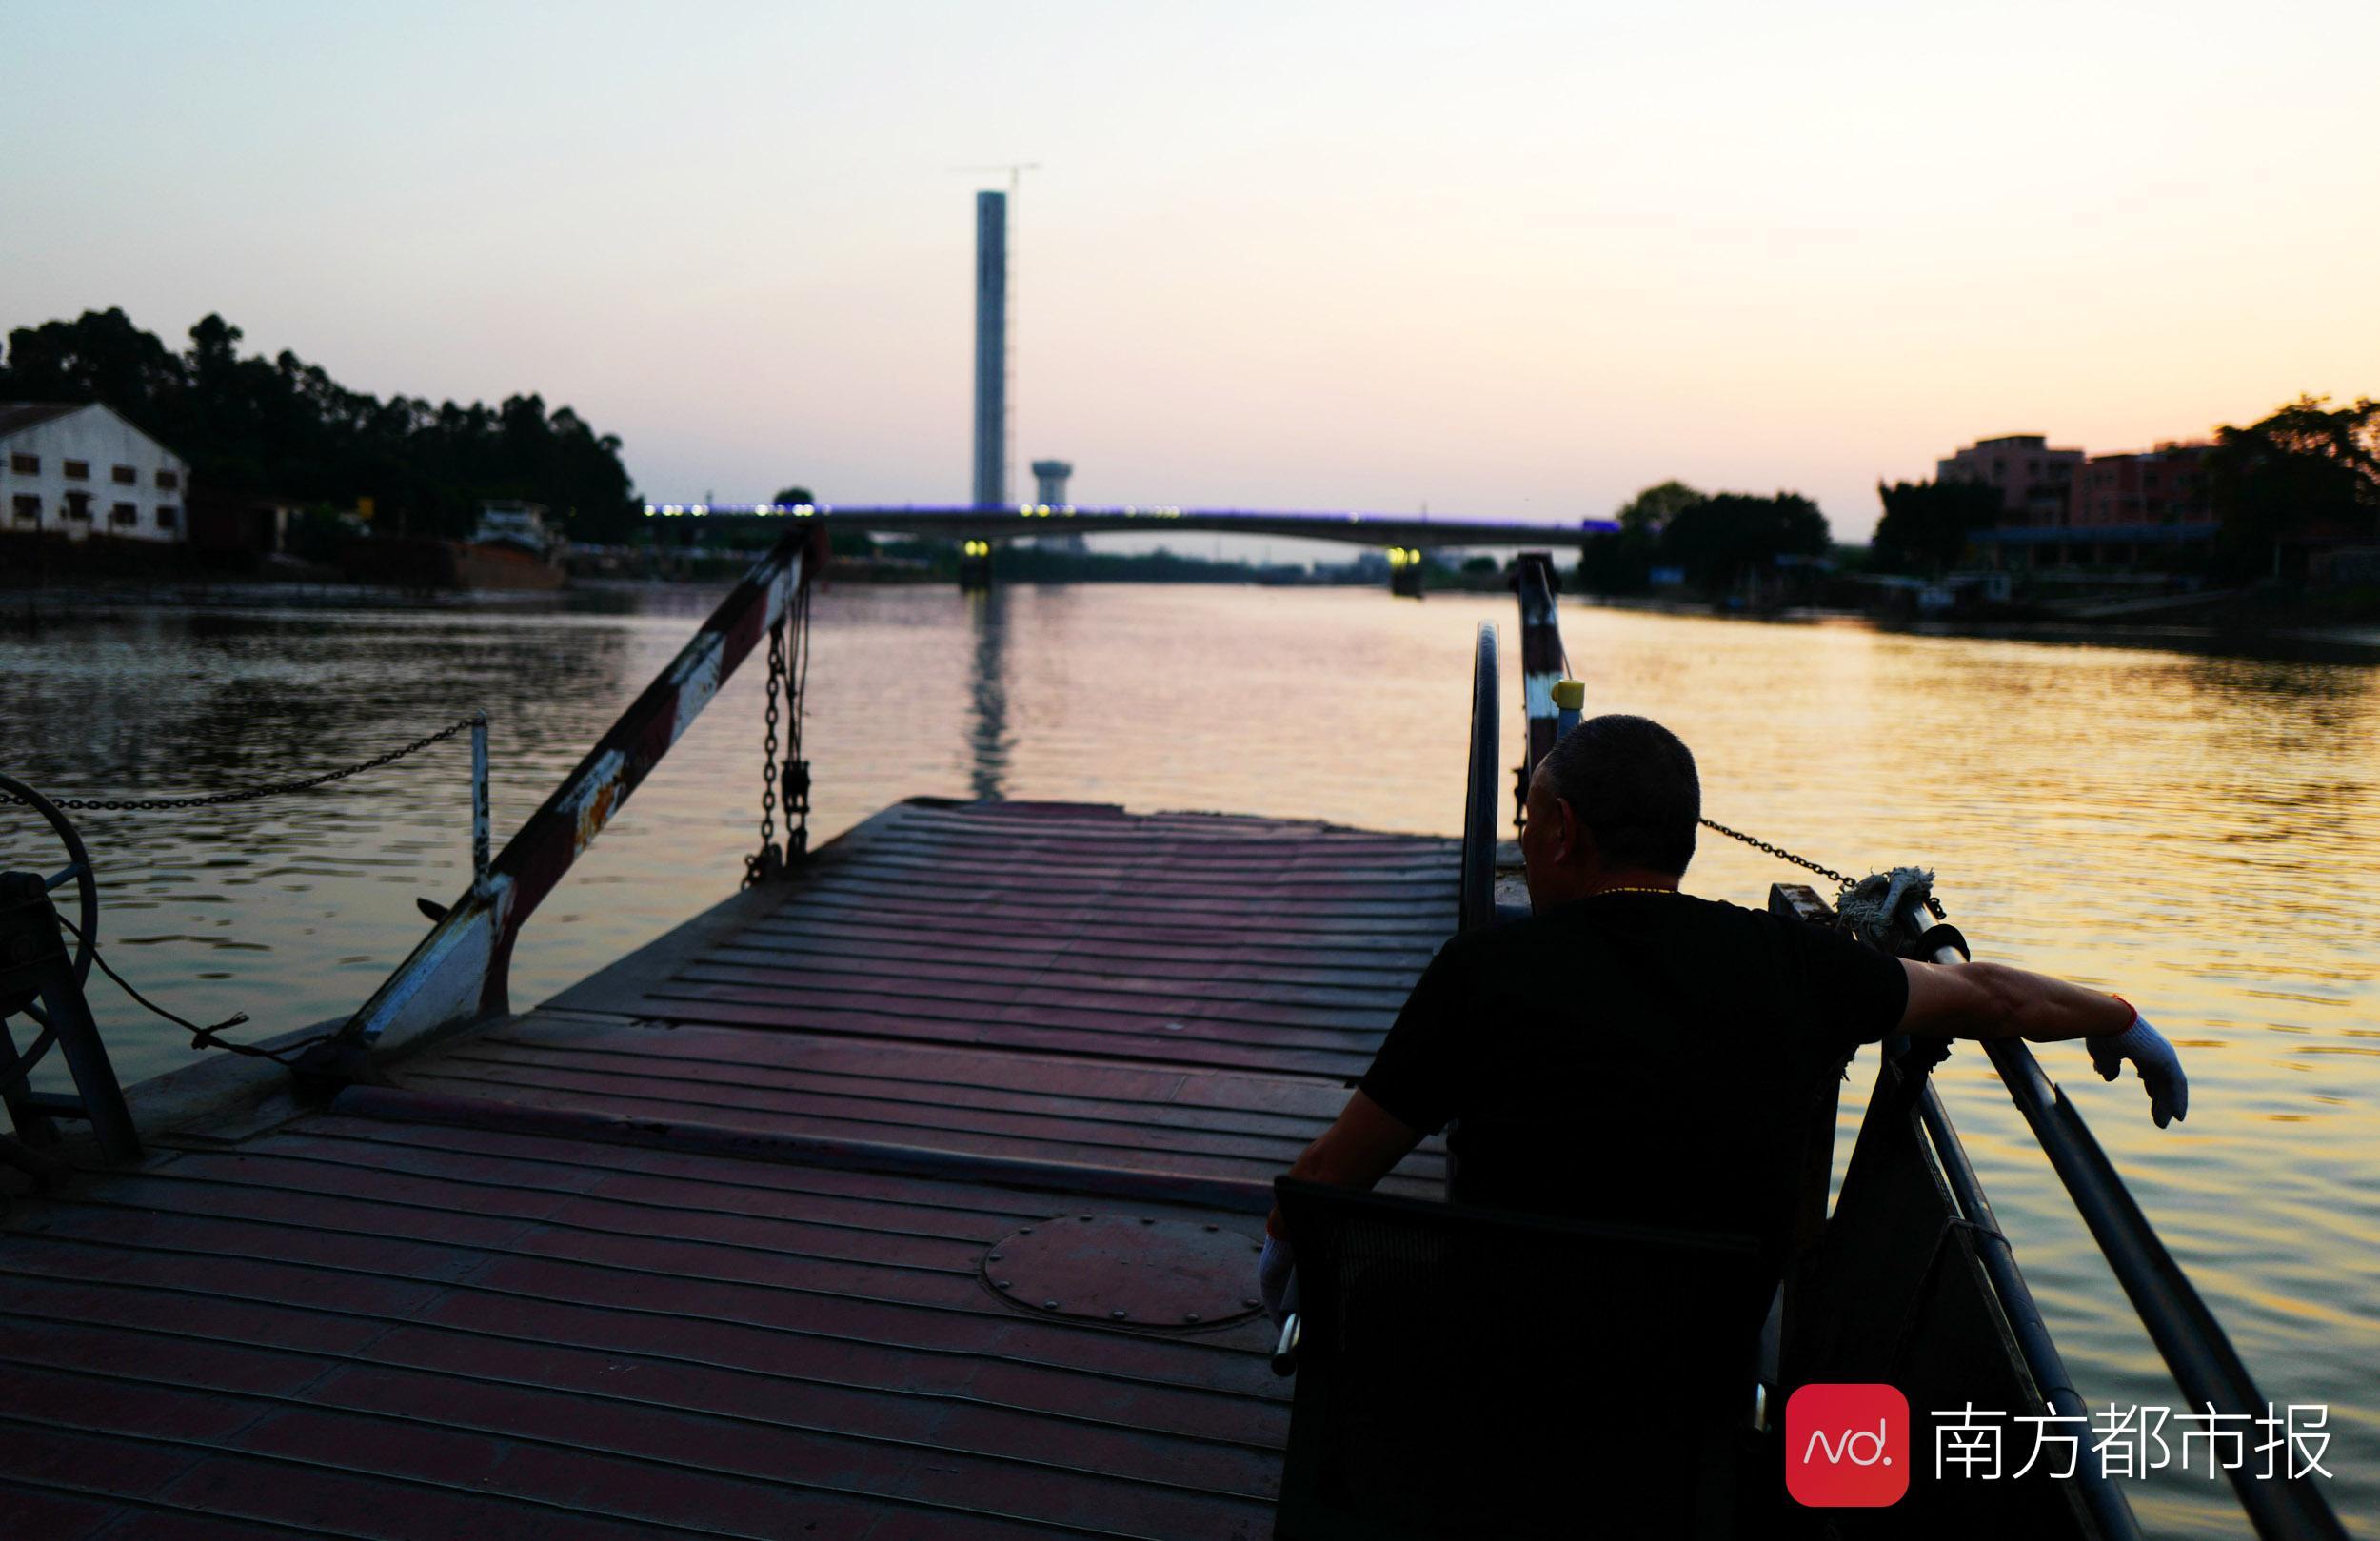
(1128, 1271)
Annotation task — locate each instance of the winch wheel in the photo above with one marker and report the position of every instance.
(77, 871)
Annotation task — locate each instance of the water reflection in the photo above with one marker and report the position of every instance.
(2192, 829)
(987, 693)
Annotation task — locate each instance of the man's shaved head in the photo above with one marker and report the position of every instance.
(1633, 785)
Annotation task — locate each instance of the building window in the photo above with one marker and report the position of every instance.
(124, 514)
(167, 517)
(169, 480)
(127, 476)
(25, 465)
(28, 508)
(78, 505)
(78, 470)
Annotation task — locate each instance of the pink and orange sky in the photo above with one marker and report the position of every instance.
(1503, 260)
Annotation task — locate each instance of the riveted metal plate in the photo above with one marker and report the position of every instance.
(1128, 1271)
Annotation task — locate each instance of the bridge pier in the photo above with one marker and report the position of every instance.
(975, 566)
(1404, 572)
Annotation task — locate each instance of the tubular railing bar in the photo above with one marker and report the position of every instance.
(459, 972)
(1475, 884)
(1541, 658)
(2193, 1343)
(2105, 1500)
(480, 809)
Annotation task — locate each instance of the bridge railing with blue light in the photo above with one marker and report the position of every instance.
(964, 520)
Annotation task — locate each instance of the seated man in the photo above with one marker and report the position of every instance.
(1631, 1053)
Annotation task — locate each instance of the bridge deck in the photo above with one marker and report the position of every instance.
(697, 1247)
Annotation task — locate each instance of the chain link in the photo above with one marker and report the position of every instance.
(764, 863)
(217, 800)
(1779, 851)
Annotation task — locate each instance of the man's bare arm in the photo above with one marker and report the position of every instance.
(1356, 1151)
(1993, 1001)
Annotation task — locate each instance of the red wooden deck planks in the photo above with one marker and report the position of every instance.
(358, 1327)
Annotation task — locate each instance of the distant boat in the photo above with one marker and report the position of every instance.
(513, 546)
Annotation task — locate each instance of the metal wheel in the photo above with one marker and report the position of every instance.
(1475, 905)
(77, 870)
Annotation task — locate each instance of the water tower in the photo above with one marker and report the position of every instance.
(1049, 480)
(1049, 490)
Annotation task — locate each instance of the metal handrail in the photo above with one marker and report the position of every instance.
(1542, 660)
(2106, 1501)
(1476, 884)
(2191, 1342)
(459, 973)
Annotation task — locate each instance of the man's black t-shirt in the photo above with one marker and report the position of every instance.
(1648, 1058)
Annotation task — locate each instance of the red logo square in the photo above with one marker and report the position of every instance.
(1847, 1446)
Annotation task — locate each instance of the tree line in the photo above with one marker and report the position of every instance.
(282, 427)
(1714, 540)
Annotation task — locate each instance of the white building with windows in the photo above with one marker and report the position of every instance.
(80, 469)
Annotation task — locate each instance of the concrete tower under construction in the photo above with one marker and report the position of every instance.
(991, 350)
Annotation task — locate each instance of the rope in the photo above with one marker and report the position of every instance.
(273, 789)
(200, 1038)
(1873, 905)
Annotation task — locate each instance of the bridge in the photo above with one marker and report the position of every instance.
(966, 523)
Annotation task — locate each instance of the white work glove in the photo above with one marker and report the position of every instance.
(1272, 1276)
(2160, 1067)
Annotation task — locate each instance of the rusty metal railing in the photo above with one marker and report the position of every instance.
(1476, 880)
(1543, 661)
(459, 973)
(2186, 1332)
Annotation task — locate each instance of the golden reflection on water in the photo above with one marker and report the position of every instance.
(2193, 829)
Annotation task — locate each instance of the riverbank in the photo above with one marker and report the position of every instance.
(2281, 633)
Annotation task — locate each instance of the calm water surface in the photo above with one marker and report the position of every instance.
(2197, 831)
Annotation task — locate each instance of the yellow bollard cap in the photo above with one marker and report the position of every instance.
(1569, 695)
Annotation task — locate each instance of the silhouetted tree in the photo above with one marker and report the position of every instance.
(2308, 471)
(1926, 524)
(1720, 539)
(1650, 511)
(1622, 563)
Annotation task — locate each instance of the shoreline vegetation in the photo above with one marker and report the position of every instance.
(373, 489)
(2318, 635)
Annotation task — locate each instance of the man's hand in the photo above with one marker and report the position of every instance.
(2160, 1067)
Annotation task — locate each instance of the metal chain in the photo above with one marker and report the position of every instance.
(1778, 852)
(1934, 905)
(217, 800)
(797, 779)
(763, 864)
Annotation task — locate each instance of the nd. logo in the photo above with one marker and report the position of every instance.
(1847, 1446)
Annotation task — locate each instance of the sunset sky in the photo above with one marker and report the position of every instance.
(1502, 260)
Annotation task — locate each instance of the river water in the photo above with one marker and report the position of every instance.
(2195, 829)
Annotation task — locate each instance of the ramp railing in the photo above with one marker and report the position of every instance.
(1543, 661)
(2193, 1343)
(460, 970)
(2188, 1336)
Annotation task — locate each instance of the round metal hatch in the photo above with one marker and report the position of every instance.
(1128, 1271)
